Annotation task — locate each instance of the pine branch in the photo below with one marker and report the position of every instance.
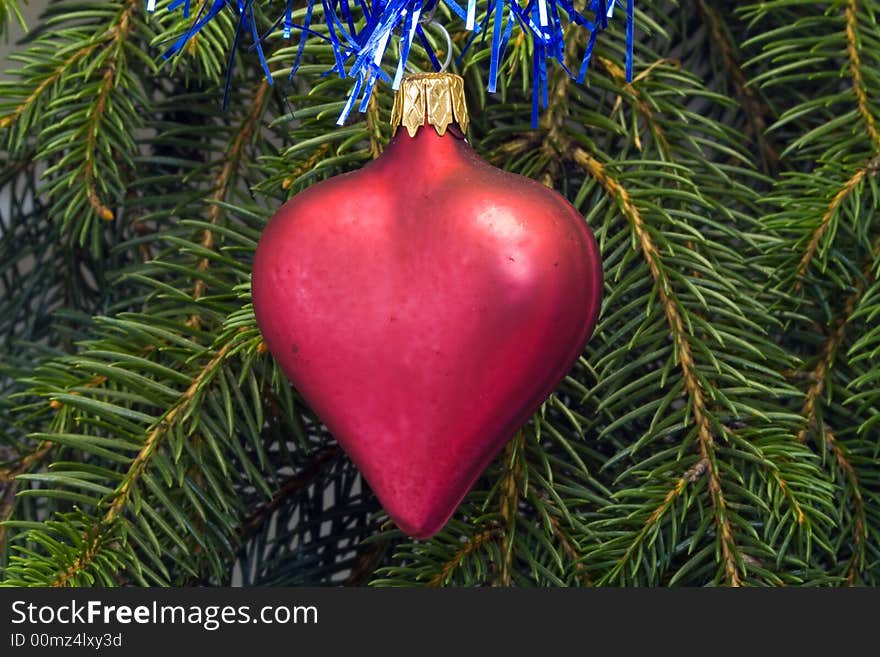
(757, 112)
(693, 382)
(859, 530)
(820, 372)
(468, 548)
(225, 179)
(97, 534)
(650, 527)
(79, 81)
(91, 549)
(28, 104)
(868, 171)
(120, 497)
(636, 98)
(572, 551)
(829, 157)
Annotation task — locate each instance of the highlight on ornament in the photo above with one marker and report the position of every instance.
(360, 34)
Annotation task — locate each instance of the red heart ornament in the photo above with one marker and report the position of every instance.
(424, 307)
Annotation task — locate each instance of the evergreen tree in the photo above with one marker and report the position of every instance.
(721, 427)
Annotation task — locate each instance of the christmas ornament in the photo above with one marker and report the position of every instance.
(361, 32)
(426, 305)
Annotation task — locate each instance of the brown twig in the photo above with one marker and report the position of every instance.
(92, 541)
(291, 487)
(313, 160)
(365, 563)
(851, 13)
(24, 465)
(786, 490)
(656, 515)
(859, 519)
(858, 85)
(819, 374)
(470, 546)
(809, 410)
(510, 494)
(91, 140)
(871, 168)
(374, 128)
(564, 539)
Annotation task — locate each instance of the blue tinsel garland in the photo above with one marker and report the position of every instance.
(359, 53)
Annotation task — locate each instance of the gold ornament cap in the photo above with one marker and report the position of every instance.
(435, 99)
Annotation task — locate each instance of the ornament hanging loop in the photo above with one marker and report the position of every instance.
(448, 38)
(428, 21)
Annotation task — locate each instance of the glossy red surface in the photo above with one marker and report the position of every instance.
(425, 306)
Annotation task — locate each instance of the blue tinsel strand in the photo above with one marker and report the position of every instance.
(359, 53)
